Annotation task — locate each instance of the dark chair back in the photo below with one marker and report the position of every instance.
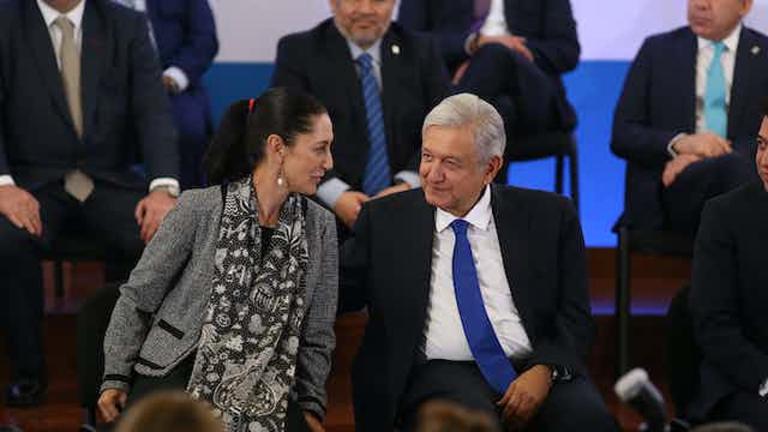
(560, 145)
(92, 323)
(683, 355)
(648, 242)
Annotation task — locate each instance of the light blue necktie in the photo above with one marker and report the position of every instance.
(715, 112)
(485, 346)
(376, 176)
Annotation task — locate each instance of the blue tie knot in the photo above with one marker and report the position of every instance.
(365, 60)
(719, 47)
(460, 227)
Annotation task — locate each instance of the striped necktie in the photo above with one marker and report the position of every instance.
(715, 109)
(377, 175)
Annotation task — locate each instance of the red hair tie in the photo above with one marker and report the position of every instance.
(250, 105)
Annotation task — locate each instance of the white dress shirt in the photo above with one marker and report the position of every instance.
(444, 333)
(495, 23)
(704, 54)
(76, 17)
(329, 191)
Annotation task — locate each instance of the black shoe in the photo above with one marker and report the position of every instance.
(25, 392)
(10, 428)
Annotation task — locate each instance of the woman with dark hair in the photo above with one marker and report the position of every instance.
(234, 299)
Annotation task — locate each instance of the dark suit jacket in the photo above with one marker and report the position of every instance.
(124, 105)
(387, 267)
(185, 34)
(729, 296)
(659, 101)
(413, 81)
(547, 25)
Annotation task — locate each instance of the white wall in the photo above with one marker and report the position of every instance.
(614, 30)
(608, 29)
(249, 29)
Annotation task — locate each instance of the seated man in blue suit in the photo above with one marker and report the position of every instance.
(688, 114)
(729, 301)
(80, 96)
(184, 34)
(378, 81)
(510, 52)
(486, 305)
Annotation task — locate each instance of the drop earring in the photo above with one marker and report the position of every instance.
(281, 177)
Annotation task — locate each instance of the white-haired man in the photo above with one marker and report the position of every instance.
(476, 293)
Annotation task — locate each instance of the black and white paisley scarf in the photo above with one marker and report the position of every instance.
(246, 358)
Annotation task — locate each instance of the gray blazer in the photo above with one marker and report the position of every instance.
(156, 322)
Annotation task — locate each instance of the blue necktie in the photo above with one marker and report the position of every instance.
(715, 115)
(376, 176)
(485, 346)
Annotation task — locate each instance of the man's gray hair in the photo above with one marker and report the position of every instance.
(466, 109)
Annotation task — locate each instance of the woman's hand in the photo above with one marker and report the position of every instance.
(111, 402)
(313, 423)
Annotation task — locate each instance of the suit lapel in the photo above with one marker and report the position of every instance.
(343, 67)
(509, 16)
(417, 230)
(686, 53)
(39, 39)
(151, 10)
(745, 58)
(92, 57)
(512, 226)
(393, 71)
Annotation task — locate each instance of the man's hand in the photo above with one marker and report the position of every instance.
(21, 208)
(525, 395)
(111, 402)
(313, 423)
(677, 165)
(703, 145)
(348, 206)
(515, 43)
(460, 72)
(171, 86)
(401, 187)
(151, 210)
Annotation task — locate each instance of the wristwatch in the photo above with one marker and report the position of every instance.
(763, 390)
(560, 373)
(169, 189)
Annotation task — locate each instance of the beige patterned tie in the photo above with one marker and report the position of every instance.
(76, 183)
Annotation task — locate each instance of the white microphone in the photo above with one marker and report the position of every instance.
(636, 390)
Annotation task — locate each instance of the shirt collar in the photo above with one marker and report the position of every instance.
(50, 14)
(731, 41)
(374, 51)
(479, 216)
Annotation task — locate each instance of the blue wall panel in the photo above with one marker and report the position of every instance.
(593, 89)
